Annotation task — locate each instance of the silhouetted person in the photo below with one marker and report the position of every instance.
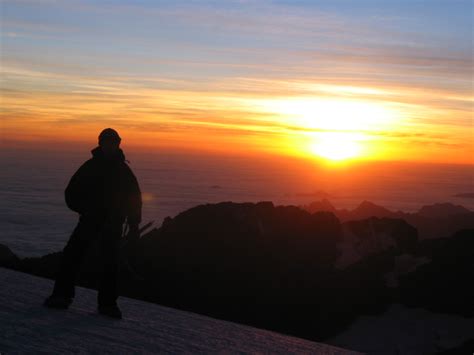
(105, 193)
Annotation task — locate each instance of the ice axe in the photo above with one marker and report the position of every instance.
(128, 242)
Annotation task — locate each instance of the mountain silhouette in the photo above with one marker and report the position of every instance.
(285, 269)
(432, 221)
(442, 210)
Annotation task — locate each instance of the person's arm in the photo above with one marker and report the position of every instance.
(75, 194)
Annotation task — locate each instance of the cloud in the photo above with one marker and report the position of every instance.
(198, 67)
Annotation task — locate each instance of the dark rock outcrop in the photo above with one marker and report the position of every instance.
(443, 285)
(274, 267)
(362, 238)
(8, 258)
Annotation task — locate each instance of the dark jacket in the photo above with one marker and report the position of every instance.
(105, 187)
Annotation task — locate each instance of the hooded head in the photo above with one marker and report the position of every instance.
(109, 141)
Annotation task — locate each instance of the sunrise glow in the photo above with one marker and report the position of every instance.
(222, 83)
(333, 114)
(337, 126)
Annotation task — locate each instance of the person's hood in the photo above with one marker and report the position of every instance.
(97, 153)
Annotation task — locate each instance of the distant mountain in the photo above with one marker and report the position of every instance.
(315, 194)
(432, 221)
(365, 209)
(442, 210)
(368, 209)
(465, 195)
(320, 206)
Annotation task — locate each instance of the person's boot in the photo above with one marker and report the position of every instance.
(59, 302)
(110, 310)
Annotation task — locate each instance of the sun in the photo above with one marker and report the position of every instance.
(332, 128)
(336, 146)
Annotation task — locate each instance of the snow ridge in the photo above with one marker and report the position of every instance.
(27, 326)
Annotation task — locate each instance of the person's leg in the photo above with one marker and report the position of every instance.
(109, 251)
(84, 233)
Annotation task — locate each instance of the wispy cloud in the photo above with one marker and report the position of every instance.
(182, 68)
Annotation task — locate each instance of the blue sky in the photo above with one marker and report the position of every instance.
(229, 32)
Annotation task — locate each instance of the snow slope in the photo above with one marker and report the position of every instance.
(27, 326)
(407, 331)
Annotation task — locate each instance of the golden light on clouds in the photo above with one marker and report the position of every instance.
(388, 88)
(331, 114)
(335, 129)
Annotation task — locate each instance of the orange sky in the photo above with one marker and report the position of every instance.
(338, 89)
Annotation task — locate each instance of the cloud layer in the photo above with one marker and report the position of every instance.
(190, 73)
